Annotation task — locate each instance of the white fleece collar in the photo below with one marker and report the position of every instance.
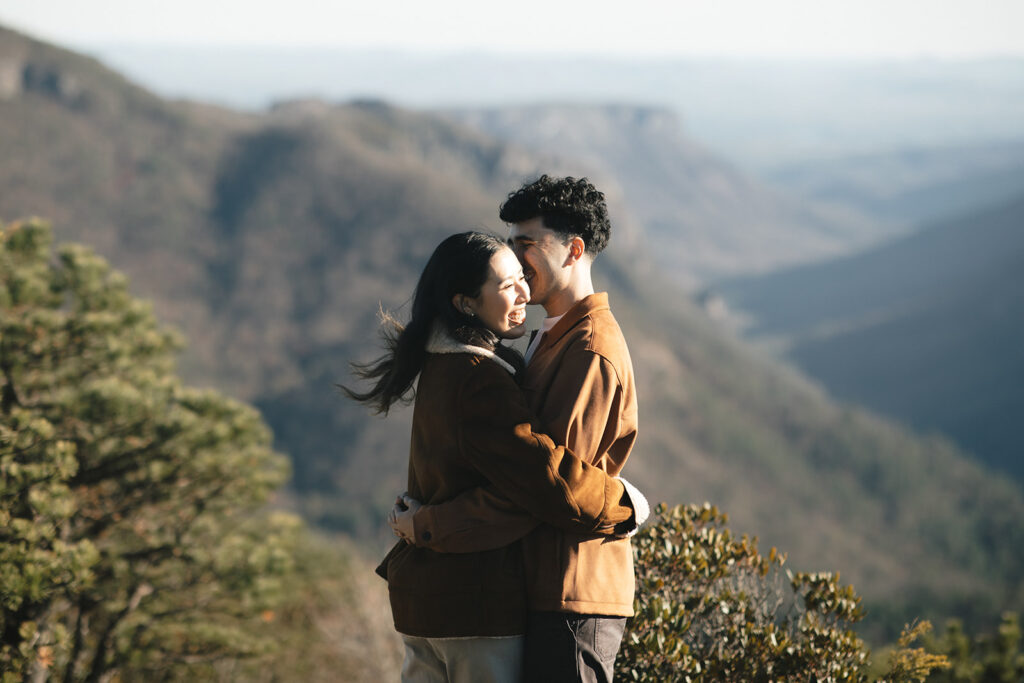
(442, 342)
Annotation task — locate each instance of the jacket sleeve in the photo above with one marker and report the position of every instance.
(526, 470)
(483, 519)
(476, 520)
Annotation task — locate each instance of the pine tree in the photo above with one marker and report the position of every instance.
(133, 532)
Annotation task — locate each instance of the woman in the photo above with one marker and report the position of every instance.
(462, 616)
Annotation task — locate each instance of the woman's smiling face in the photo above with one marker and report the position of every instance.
(501, 304)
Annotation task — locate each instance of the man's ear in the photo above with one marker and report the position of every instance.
(577, 247)
(461, 302)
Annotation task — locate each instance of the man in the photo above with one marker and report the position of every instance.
(579, 381)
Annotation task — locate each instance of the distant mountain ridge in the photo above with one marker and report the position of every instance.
(760, 113)
(912, 185)
(703, 217)
(929, 330)
(270, 239)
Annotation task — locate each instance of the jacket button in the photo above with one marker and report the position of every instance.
(425, 535)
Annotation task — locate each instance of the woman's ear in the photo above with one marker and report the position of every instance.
(461, 302)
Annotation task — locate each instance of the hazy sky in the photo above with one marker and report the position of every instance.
(777, 28)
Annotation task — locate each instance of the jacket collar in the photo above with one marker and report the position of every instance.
(442, 342)
(580, 310)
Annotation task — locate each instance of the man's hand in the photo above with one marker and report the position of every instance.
(400, 517)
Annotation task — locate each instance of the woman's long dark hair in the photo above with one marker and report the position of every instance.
(459, 265)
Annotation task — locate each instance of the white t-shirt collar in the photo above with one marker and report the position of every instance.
(544, 328)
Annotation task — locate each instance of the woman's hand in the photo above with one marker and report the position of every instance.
(400, 519)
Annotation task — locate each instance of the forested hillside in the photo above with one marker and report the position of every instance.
(271, 239)
(928, 330)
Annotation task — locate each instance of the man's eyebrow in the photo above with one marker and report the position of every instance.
(521, 238)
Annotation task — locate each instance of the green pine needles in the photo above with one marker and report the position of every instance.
(133, 536)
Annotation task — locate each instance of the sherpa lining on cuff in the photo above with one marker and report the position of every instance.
(641, 508)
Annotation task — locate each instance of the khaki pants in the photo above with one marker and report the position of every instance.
(462, 660)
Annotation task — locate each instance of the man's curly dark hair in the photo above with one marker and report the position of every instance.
(569, 206)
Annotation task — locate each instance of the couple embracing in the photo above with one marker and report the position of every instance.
(515, 562)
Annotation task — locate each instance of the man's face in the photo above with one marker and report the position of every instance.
(544, 256)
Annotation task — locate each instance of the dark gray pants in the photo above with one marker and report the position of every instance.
(563, 647)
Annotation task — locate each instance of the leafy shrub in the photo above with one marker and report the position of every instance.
(989, 658)
(710, 607)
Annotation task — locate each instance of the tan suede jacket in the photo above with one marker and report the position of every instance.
(580, 384)
(471, 426)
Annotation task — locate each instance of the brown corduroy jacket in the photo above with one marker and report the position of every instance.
(580, 385)
(472, 427)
